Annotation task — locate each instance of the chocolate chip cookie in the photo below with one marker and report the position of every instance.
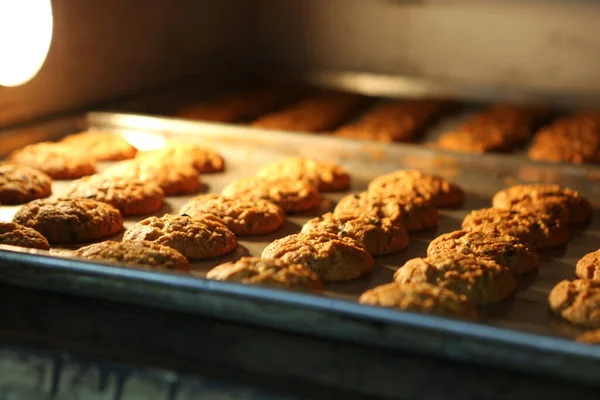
(20, 184)
(203, 159)
(588, 267)
(327, 176)
(101, 145)
(334, 259)
(22, 236)
(70, 220)
(58, 160)
(577, 301)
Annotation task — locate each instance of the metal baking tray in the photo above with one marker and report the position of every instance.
(519, 333)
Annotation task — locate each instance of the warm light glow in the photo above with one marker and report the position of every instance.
(144, 141)
(25, 35)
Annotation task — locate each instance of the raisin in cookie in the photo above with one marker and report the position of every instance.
(196, 239)
(242, 217)
(505, 250)
(20, 184)
(101, 145)
(70, 220)
(577, 301)
(480, 280)
(420, 297)
(328, 176)
(588, 267)
(334, 259)
(377, 235)
(58, 160)
(137, 254)
(273, 273)
(203, 159)
(22, 236)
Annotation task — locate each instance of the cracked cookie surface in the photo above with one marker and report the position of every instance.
(18, 235)
(20, 184)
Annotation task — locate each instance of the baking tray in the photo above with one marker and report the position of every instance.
(519, 333)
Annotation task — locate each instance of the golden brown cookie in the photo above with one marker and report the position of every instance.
(273, 273)
(505, 250)
(577, 301)
(572, 140)
(175, 178)
(334, 259)
(242, 217)
(409, 182)
(203, 159)
(70, 220)
(291, 195)
(328, 176)
(476, 139)
(128, 195)
(22, 236)
(20, 184)
(101, 145)
(544, 197)
(420, 297)
(535, 228)
(196, 239)
(480, 280)
(141, 254)
(58, 160)
(590, 337)
(377, 235)
(414, 213)
(588, 267)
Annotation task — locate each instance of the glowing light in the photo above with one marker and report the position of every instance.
(144, 141)
(25, 36)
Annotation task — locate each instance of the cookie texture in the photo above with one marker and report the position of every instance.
(377, 235)
(128, 195)
(477, 139)
(590, 337)
(410, 182)
(20, 184)
(101, 145)
(273, 273)
(70, 220)
(57, 160)
(136, 254)
(22, 236)
(420, 297)
(535, 228)
(588, 267)
(480, 280)
(544, 197)
(203, 159)
(577, 301)
(242, 217)
(334, 259)
(196, 239)
(505, 250)
(414, 213)
(327, 176)
(291, 195)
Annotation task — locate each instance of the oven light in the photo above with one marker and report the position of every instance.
(25, 35)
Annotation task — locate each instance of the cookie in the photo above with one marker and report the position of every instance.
(414, 213)
(480, 280)
(505, 250)
(408, 182)
(242, 217)
(20, 184)
(22, 236)
(574, 142)
(588, 267)
(544, 197)
(291, 195)
(273, 273)
(420, 297)
(141, 254)
(196, 239)
(328, 177)
(57, 160)
(377, 235)
(577, 301)
(101, 145)
(128, 195)
(332, 258)
(70, 220)
(535, 228)
(590, 337)
(203, 159)
(175, 178)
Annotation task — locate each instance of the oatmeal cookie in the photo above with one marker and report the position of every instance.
(577, 301)
(101, 145)
(273, 273)
(328, 176)
(334, 259)
(242, 217)
(20, 184)
(58, 160)
(196, 239)
(476, 139)
(377, 235)
(70, 220)
(136, 254)
(590, 337)
(480, 280)
(588, 267)
(570, 142)
(22, 236)
(420, 297)
(505, 250)
(203, 159)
